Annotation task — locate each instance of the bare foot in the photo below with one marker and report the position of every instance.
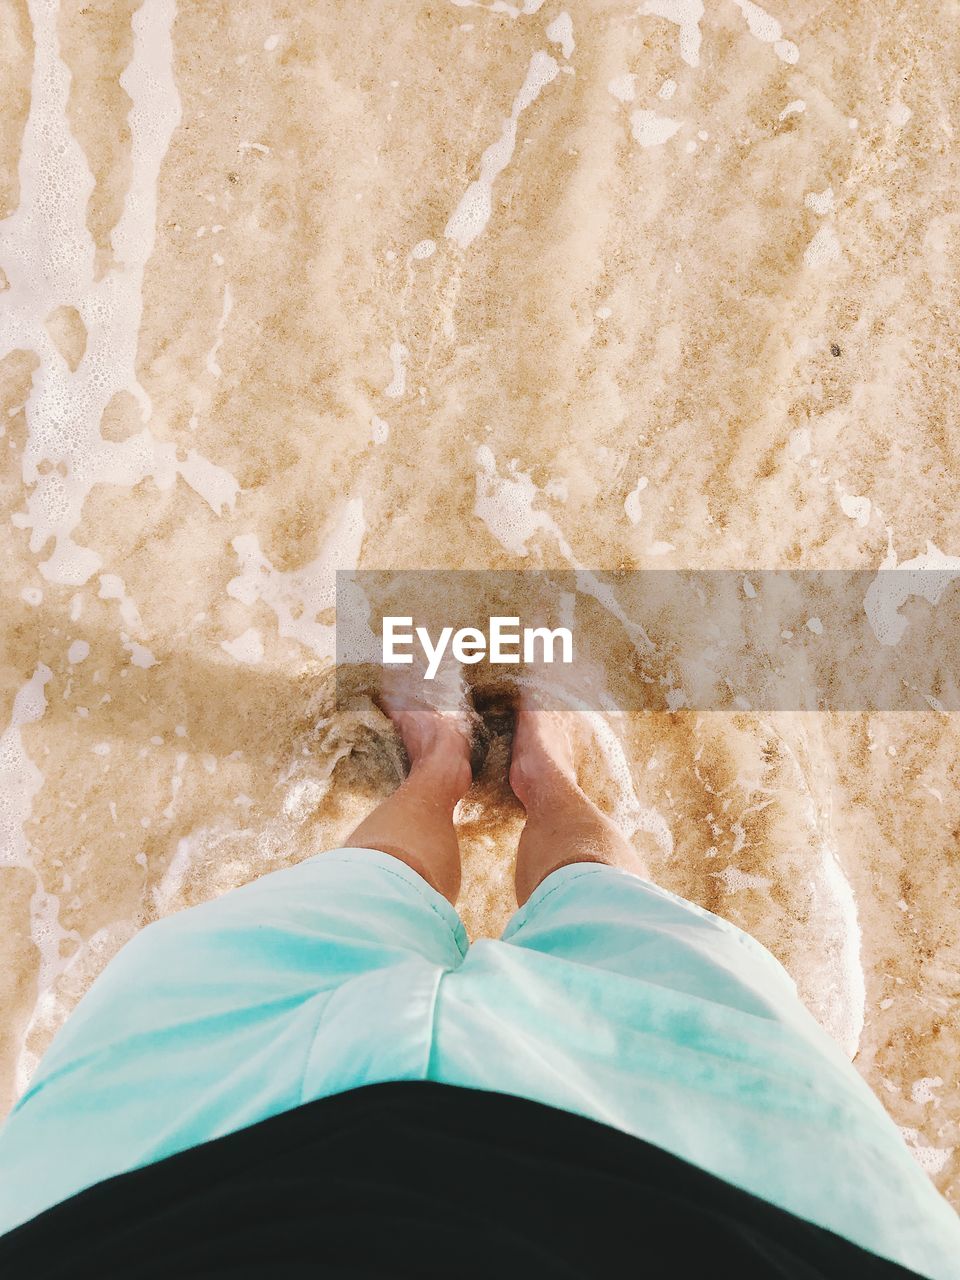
(563, 824)
(542, 759)
(435, 743)
(415, 822)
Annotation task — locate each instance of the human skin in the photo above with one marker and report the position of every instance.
(563, 825)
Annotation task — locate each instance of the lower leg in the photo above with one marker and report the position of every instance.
(563, 824)
(415, 824)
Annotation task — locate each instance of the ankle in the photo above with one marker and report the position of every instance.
(445, 778)
(547, 788)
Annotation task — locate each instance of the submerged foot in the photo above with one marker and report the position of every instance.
(542, 762)
(563, 824)
(436, 743)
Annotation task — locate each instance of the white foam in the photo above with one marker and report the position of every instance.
(560, 31)
(299, 595)
(762, 25)
(398, 358)
(794, 108)
(212, 363)
(423, 249)
(628, 813)
(932, 1160)
(473, 212)
(733, 880)
(505, 504)
(652, 130)
(20, 781)
(112, 588)
(218, 488)
(500, 6)
(823, 249)
(603, 593)
(49, 259)
(799, 443)
(926, 576)
(164, 895)
(849, 1016)
(898, 113)
(379, 430)
(631, 504)
(622, 87)
(846, 993)
(685, 14)
(840, 998)
(246, 648)
(821, 202)
(925, 1089)
(856, 507)
(78, 651)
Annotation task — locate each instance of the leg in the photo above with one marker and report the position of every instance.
(310, 980)
(415, 824)
(563, 824)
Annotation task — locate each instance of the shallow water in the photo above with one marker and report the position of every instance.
(293, 288)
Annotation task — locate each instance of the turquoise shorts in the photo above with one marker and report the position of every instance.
(606, 996)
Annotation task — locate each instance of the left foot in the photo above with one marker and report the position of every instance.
(434, 741)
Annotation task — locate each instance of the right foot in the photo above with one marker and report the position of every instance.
(542, 759)
(433, 741)
(563, 824)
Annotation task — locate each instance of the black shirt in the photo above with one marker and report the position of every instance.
(419, 1179)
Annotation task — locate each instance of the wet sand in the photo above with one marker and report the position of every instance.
(293, 288)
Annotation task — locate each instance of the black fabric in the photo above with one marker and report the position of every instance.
(419, 1180)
